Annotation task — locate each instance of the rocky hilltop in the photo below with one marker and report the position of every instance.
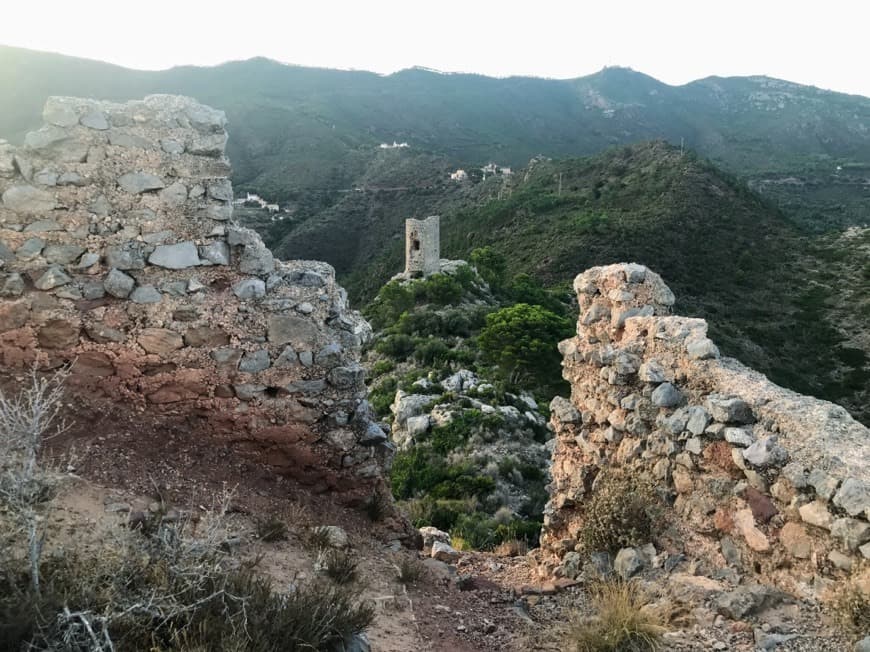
(121, 259)
(755, 477)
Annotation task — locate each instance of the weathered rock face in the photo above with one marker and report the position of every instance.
(119, 256)
(741, 460)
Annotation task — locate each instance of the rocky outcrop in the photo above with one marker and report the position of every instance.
(505, 434)
(120, 258)
(757, 476)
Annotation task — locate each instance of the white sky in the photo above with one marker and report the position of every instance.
(819, 42)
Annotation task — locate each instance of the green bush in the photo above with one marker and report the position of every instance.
(466, 277)
(453, 434)
(382, 367)
(482, 532)
(419, 322)
(439, 289)
(431, 351)
(491, 266)
(522, 340)
(524, 288)
(393, 299)
(440, 513)
(397, 346)
(382, 395)
(421, 471)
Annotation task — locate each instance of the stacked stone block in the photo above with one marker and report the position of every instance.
(768, 479)
(120, 258)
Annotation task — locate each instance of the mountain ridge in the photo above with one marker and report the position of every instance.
(465, 116)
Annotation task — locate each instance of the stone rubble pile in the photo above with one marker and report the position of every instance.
(119, 255)
(761, 478)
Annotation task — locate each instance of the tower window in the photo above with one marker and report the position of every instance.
(416, 245)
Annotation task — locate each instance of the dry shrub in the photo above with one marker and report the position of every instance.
(622, 622)
(377, 506)
(408, 571)
(459, 543)
(272, 529)
(318, 540)
(165, 585)
(619, 513)
(850, 606)
(169, 590)
(338, 565)
(298, 516)
(512, 548)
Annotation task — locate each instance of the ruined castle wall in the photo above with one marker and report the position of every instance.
(423, 246)
(757, 475)
(120, 256)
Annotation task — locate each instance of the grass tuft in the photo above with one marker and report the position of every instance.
(377, 506)
(621, 622)
(409, 571)
(512, 548)
(338, 565)
(318, 539)
(271, 529)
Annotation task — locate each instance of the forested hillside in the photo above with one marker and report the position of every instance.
(730, 256)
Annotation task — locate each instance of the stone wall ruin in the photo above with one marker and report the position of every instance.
(758, 477)
(120, 257)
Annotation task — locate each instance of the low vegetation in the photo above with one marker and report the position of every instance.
(850, 606)
(377, 506)
(167, 585)
(338, 565)
(408, 570)
(622, 622)
(272, 529)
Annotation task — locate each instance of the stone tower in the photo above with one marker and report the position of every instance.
(422, 246)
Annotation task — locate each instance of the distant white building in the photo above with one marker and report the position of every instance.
(492, 169)
(256, 199)
(459, 175)
(395, 145)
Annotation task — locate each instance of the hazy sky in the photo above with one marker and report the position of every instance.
(824, 43)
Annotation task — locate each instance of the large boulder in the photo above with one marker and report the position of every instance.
(27, 199)
(444, 552)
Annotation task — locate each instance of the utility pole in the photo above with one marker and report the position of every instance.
(560, 185)
(681, 146)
